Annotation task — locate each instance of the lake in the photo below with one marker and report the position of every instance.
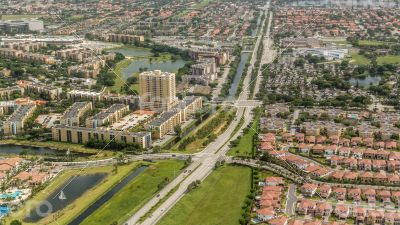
(73, 188)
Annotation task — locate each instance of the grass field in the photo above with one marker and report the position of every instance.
(359, 59)
(119, 80)
(373, 43)
(202, 4)
(245, 145)
(74, 209)
(218, 200)
(388, 59)
(19, 16)
(135, 194)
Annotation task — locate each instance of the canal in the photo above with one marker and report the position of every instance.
(11, 149)
(107, 196)
(238, 75)
(72, 189)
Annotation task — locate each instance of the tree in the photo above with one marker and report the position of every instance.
(15, 222)
(178, 130)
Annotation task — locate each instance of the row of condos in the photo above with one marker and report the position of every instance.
(16, 123)
(81, 135)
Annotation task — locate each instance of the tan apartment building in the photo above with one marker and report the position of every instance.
(5, 93)
(72, 115)
(82, 135)
(125, 38)
(157, 90)
(107, 116)
(15, 124)
(166, 122)
(46, 92)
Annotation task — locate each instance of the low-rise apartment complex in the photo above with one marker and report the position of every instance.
(75, 112)
(107, 116)
(15, 124)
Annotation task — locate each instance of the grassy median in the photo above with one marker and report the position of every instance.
(218, 200)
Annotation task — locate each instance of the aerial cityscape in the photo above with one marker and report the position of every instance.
(200, 112)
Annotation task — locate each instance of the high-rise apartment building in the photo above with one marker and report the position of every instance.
(157, 90)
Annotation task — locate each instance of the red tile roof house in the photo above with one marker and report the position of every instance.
(318, 149)
(282, 220)
(369, 195)
(308, 189)
(392, 218)
(320, 139)
(324, 190)
(357, 153)
(350, 163)
(334, 139)
(274, 181)
(304, 148)
(265, 214)
(383, 196)
(337, 175)
(393, 165)
(336, 160)
(396, 197)
(379, 145)
(382, 154)
(369, 154)
(359, 214)
(344, 151)
(320, 172)
(374, 217)
(330, 150)
(339, 193)
(354, 194)
(342, 211)
(393, 179)
(366, 177)
(311, 168)
(288, 137)
(364, 164)
(310, 139)
(378, 164)
(350, 176)
(323, 209)
(368, 142)
(356, 141)
(312, 222)
(306, 207)
(299, 137)
(391, 145)
(344, 142)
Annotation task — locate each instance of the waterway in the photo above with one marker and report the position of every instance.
(366, 82)
(10, 149)
(107, 196)
(73, 188)
(239, 73)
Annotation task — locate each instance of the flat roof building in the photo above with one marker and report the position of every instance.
(72, 115)
(15, 124)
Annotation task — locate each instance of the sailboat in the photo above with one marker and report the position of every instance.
(62, 196)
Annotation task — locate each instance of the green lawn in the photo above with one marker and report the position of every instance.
(245, 145)
(218, 200)
(202, 4)
(359, 59)
(373, 43)
(79, 205)
(135, 194)
(120, 80)
(388, 59)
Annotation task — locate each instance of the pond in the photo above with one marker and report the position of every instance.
(239, 72)
(10, 149)
(70, 190)
(132, 51)
(165, 66)
(366, 82)
(107, 196)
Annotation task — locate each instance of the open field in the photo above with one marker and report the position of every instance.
(62, 146)
(388, 59)
(374, 43)
(135, 194)
(67, 214)
(217, 200)
(245, 146)
(359, 59)
(119, 80)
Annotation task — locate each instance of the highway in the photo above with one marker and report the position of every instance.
(203, 162)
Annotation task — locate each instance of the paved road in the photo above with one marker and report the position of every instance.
(291, 200)
(204, 161)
